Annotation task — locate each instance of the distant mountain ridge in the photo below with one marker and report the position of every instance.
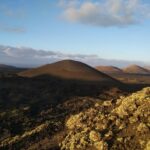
(3, 66)
(10, 69)
(66, 66)
(136, 70)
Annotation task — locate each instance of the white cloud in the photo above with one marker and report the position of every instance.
(105, 12)
(24, 56)
(29, 57)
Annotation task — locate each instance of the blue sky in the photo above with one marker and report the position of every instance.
(62, 26)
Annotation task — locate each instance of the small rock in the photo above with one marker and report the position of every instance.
(94, 136)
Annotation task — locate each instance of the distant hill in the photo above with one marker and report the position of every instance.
(109, 69)
(69, 69)
(136, 70)
(147, 67)
(6, 67)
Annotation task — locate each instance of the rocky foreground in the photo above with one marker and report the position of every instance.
(123, 124)
(111, 121)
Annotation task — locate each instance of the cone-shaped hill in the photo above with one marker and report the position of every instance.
(69, 69)
(109, 69)
(136, 70)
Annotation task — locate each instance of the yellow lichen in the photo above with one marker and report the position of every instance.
(94, 136)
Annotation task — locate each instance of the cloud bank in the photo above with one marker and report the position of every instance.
(105, 13)
(29, 57)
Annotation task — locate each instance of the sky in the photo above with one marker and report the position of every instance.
(94, 29)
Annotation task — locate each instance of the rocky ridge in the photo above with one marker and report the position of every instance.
(114, 124)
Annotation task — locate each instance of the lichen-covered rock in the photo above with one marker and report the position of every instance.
(94, 136)
(107, 103)
(147, 146)
(74, 121)
(136, 103)
(142, 128)
(108, 135)
(123, 124)
(101, 145)
(75, 141)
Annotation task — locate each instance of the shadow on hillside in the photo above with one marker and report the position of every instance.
(46, 89)
(49, 90)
